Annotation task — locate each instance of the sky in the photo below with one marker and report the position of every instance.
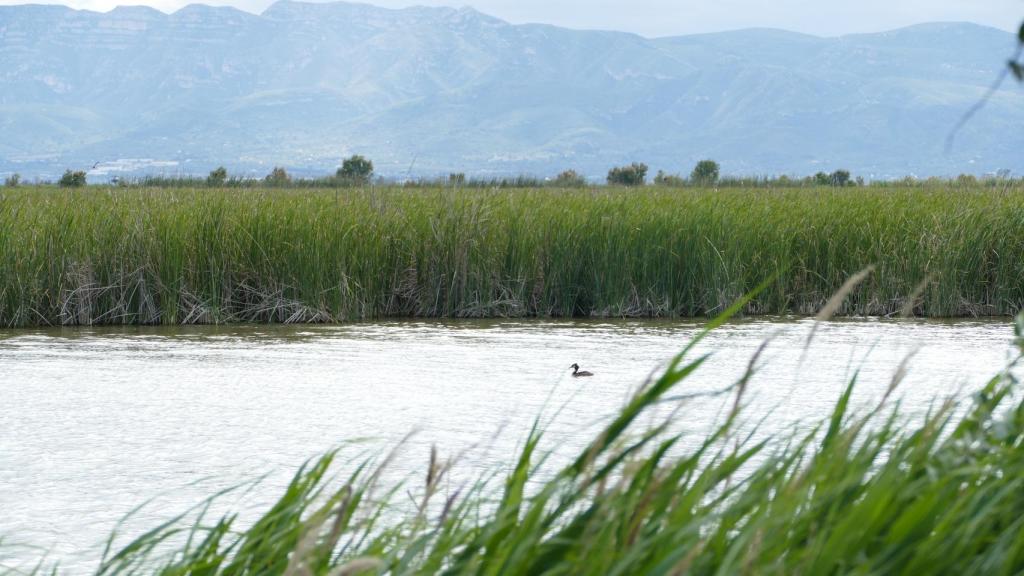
(673, 17)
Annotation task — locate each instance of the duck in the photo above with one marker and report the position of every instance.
(576, 372)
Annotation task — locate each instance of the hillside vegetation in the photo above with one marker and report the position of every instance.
(422, 89)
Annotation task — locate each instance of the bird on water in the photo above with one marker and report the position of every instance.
(576, 372)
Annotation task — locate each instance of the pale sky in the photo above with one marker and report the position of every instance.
(671, 17)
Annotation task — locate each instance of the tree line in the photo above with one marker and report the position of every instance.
(358, 170)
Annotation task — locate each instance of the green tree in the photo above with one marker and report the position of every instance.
(705, 172)
(355, 170)
(967, 180)
(823, 179)
(217, 177)
(839, 178)
(13, 180)
(670, 180)
(278, 177)
(633, 175)
(570, 179)
(72, 179)
(457, 179)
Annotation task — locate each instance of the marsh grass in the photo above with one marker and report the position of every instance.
(195, 255)
(860, 493)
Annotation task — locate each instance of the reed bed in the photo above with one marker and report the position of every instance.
(865, 494)
(110, 255)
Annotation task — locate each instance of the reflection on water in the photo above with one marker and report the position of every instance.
(96, 421)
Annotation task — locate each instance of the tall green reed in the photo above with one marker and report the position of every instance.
(153, 255)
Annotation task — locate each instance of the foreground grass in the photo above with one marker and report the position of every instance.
(859, 494)
(127, 256)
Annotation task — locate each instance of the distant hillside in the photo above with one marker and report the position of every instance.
(429, 90)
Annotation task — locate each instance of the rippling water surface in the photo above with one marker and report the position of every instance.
(94, 422)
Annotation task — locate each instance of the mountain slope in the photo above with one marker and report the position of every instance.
(439, 89)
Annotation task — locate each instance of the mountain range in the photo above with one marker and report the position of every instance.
(427, 91)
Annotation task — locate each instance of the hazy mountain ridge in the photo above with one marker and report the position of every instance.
(439, 89)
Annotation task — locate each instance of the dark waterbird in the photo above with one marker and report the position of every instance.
(576, 372)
